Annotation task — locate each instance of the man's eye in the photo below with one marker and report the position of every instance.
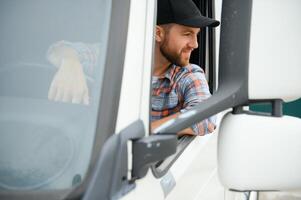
(187, 34)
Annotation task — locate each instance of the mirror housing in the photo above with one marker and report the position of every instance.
(262, 153)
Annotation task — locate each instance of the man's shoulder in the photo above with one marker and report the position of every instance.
(189, 73)
(191, 68)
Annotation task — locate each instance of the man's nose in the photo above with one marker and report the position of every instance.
(194, 42)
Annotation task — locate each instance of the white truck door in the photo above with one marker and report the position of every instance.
(166, 178)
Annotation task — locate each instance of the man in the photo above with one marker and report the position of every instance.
(177, 85)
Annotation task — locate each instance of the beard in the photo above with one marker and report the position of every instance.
(174, 57)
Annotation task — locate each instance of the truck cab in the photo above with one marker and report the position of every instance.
(104, 149)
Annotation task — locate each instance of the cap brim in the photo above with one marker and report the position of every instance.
(199, 22)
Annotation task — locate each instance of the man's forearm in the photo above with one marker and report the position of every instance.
(188, 131)
(157, 123)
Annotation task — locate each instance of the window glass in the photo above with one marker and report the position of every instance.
(50, 80)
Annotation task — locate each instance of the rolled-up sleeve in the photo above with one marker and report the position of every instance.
(194, 89)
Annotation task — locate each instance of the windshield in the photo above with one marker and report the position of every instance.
(51, 69)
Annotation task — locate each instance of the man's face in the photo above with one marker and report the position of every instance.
(178, 42)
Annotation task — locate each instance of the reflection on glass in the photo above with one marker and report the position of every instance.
(48, 94)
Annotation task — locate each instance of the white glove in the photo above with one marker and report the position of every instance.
(69, 83)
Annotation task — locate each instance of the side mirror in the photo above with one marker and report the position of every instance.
(262, 153)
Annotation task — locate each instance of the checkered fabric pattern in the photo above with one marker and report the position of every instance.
(179, 90)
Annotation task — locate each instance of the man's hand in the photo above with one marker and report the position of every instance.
(69, 83)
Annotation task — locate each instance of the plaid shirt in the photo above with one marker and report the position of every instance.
(178, 90)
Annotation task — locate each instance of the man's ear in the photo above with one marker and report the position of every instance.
(159, 33)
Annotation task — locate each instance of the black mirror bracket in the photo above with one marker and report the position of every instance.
(149, 150)
(276, 108)
(111, 179)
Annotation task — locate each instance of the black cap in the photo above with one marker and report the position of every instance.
(183, 12)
